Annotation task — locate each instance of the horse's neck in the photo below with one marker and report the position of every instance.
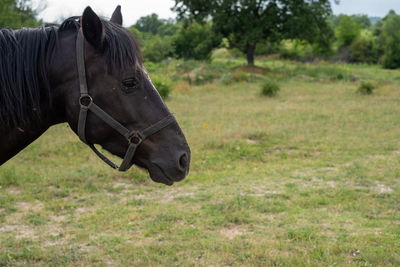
(14, 139)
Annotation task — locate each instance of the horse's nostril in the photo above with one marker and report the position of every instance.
(183, 161)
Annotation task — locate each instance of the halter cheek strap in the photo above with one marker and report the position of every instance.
(134, 137)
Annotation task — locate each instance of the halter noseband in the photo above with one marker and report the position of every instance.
(134, 138)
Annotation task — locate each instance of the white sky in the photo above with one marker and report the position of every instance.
(374, 8)
(132, 10)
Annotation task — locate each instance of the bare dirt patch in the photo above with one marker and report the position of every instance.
(383, 189)
(26, 207)
(252, 69)
(58, 219)
(13, 191)
(233, 232)
(260, 192)
(331, 184)
(81, 210)
(123, 185)
(164, 195)
(20, 231)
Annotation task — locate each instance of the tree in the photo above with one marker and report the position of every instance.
(156, 49)
(155, 37)
(17, 13)
(248, 22)
(364, 21)
(168, 29)
(363, 49)
(348, 30)
(149, 23)
(195, 41)
(391, 42)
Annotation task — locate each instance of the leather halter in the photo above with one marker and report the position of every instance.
(134, 138)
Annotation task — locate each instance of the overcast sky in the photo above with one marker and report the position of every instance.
(134, 9)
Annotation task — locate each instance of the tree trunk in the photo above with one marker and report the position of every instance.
(250, 54)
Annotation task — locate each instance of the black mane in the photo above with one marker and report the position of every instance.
(25, 58)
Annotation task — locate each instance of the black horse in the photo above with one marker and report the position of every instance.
(87, 72)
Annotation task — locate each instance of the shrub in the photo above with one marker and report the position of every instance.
(391, 42)
(195, 41)
(348, 30)
(363, 49)
(269, 88)
(162, 85)
(203, 77)
(220, 53)
(182, 87)
(240, 76)
(227, 78)
(236, 53)
(156, 49)
(366, 88)
(296, 50)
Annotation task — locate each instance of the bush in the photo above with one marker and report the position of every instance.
(366, 88)
(348, 30)
(227, 78)
(269, 88)
(340, 76)
(202, 75)
(240, 76)
(236, 53)
(156, 49)
(296, 50)
(391, 42)
(162, 85)
(195, 41)
(363, 50)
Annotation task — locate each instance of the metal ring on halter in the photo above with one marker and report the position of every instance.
(135, 138)
(83, 104)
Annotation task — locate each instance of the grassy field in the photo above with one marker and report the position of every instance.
(310, 177)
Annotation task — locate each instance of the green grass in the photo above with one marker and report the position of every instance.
(310, 177)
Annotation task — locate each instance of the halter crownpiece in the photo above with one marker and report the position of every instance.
(134, 137)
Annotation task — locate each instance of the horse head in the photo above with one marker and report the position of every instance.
(117, 83)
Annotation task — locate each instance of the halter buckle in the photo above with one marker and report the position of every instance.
(85, 101)
(135, 138)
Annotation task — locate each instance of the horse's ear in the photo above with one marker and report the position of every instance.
(117, 16)
(92, 28)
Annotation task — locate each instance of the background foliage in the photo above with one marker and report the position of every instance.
(17, 13)
(299, 30)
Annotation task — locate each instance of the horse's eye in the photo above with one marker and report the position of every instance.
(129, 85)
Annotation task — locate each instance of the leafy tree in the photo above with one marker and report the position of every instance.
(155, 37)
(348, 30)
(168, 29)
(248, 22)
(149, 23)
(138, 34)
(364, 21)
(363, 49)
(391, 42)
(196, 41)
(157, 49)
(17, 13)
